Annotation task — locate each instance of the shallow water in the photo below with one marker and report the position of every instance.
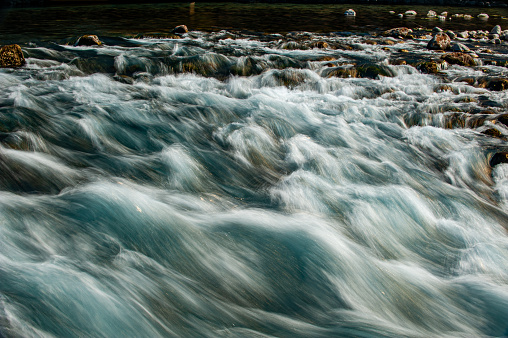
(222, 185)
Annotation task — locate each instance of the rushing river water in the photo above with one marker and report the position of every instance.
(228, 185)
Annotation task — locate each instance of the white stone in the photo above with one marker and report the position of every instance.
(496, 30)
(483, 16)
(431, 14)
(410, 13)
(444, 14)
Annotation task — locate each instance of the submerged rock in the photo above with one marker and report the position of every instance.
(89, 40)
(11, 56)
(440, 41)
(461, 59)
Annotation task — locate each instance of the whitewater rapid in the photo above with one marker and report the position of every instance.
(226, 186)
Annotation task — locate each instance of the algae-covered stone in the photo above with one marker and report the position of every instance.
(11, 56)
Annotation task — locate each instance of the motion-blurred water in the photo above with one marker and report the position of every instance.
(224, 186)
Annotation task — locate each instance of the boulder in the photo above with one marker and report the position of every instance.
(459, 47)
(399, 31)
(496, 30)
(440, 41)
(461, 59)
(88, 40)
(11, 56)
(182, 29)
(463, 35)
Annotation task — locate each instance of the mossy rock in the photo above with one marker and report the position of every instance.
(11, 56)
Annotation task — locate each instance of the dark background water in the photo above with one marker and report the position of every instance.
(59, 22)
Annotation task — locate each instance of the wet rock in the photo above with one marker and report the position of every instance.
(181, 29)
(437, 30)
(461, 59)
(498, 158)
(451, 34)
(373, 71)
(483, 16)
(459, 47)
(496, 84)
(11, 56)
(410, 13)
(463, 35)
(350, 12)
(440, 41)
(431, 14)
(319, 44)
(492, 133)
(89, 40)
(496, 30)
(431, 67)
(342, 72)
(503, 119)
(399, 31)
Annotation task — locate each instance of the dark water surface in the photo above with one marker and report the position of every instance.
(24, 24)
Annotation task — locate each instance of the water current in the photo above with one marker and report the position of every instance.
(226, 184)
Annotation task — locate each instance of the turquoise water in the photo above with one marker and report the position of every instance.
(225, 185)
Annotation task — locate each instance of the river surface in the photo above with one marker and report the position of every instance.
(227, 184)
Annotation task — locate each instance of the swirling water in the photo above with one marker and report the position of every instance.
(221, 185)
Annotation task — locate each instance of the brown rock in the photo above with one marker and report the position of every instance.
(11, 56)
(431, 67)
(492, 132)
(319, 44)
(88, 40)
(496, 84)
(399, 31)
(182, 29)
(440, 41)
(457, 58)
(327, 58)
